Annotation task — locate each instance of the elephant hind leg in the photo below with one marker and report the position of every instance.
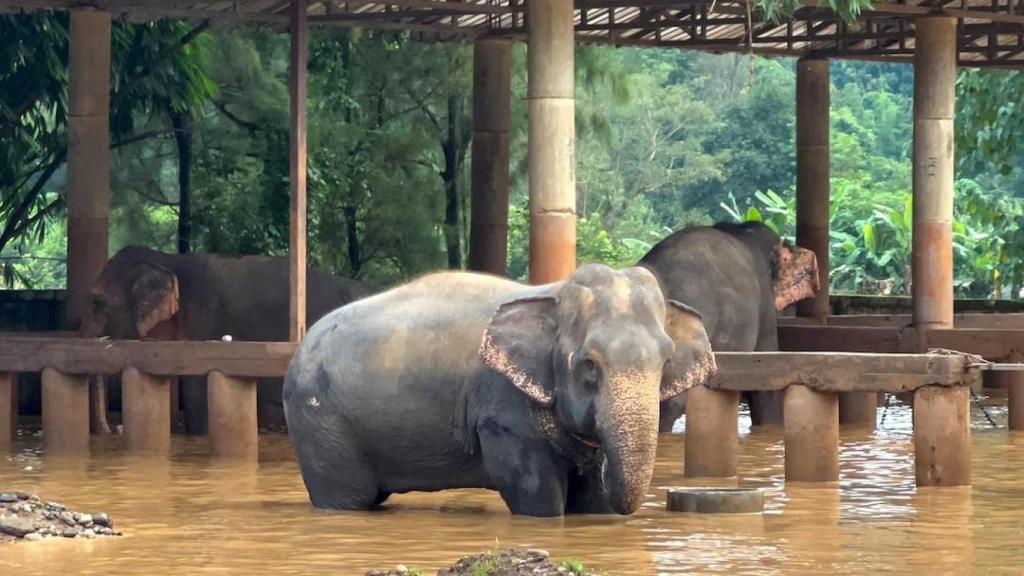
(336, 472)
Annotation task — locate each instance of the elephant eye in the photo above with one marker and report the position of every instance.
(588, 373)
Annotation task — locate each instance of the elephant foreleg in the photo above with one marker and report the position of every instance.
(524, 473)
(586, 494)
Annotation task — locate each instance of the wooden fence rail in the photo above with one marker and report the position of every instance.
(811, 381)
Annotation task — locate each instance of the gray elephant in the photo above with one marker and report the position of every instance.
(548, 394)
(146, 294)
(738, 276)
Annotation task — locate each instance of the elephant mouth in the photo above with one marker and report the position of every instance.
(587, 440)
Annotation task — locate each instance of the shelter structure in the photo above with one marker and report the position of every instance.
(935, 35)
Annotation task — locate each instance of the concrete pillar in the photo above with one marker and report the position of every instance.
(552, 140)
(858, 409)
(492, 118)
(88, 187)
(1014, 382)
(934, 100)
(712, 433)
(146, 412)
(234, 431)
(942, 436)
(8, 409)
(65, 413)
(297, 172)
(811, 435)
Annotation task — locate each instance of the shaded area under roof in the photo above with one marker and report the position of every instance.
(990, 32)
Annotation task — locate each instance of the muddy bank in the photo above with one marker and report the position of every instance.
(26, 517)
(499, 563)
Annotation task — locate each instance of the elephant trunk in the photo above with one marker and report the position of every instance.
(628, 427)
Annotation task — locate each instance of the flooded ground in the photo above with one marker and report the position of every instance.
(193, 515)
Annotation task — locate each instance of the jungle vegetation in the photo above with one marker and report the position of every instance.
(666, 139)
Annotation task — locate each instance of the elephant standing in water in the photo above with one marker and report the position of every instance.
(548, 394)
(738, 276)
(145, 294)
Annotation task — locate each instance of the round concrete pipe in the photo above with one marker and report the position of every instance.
(1014, 383)
(811, 435)
(712, 433)
(858, 409)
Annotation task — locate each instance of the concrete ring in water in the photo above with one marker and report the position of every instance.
(715, 500)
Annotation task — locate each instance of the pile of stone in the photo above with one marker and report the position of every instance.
(25, 517)
(497, 563)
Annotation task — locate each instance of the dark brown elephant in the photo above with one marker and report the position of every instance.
(738, 276)
(146, 294)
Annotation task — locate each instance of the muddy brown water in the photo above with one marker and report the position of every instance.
(194, 515)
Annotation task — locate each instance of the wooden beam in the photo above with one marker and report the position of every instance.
(968, 320)
(297, 160)
(168, 358)
(840, 371)
(847, 339)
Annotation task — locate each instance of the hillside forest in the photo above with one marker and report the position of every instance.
(666, 139)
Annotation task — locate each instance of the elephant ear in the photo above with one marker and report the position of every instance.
(795, 275)
(692, 362)
(154, 297)
(518, 343)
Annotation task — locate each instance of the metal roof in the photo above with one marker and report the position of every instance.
(990, 32)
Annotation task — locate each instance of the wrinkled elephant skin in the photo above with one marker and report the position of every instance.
(548, 394)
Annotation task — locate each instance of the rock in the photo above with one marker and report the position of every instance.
(102, 519)
(402, 569)
(34, 536)
(34, 499)
(68, 518)
(69, 533)
(538, 552)
(88, 533)
(7, 497)
(17, 527)
(84, 519)
(21, 495)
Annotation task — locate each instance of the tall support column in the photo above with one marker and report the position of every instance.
(297, 159)
(935, 56)
(65, 413)
(492, 116)
(812, 174)
(552, 140)
(88, 194)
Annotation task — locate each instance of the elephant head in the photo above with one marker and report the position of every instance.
(794, 274)
(134, 294)
(600, 351)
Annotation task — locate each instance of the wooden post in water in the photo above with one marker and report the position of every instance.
(8, 409)
(492, 118)
(552, 140)
(942, 436)
(811, 435)
(146, 412)
(712, 433)
(297, 161)
(1014, 382)
(234, 431)
(88, 169)
(65, 413)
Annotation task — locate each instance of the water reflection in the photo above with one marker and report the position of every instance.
(193, 514)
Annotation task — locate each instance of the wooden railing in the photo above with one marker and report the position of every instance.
(810, 381)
